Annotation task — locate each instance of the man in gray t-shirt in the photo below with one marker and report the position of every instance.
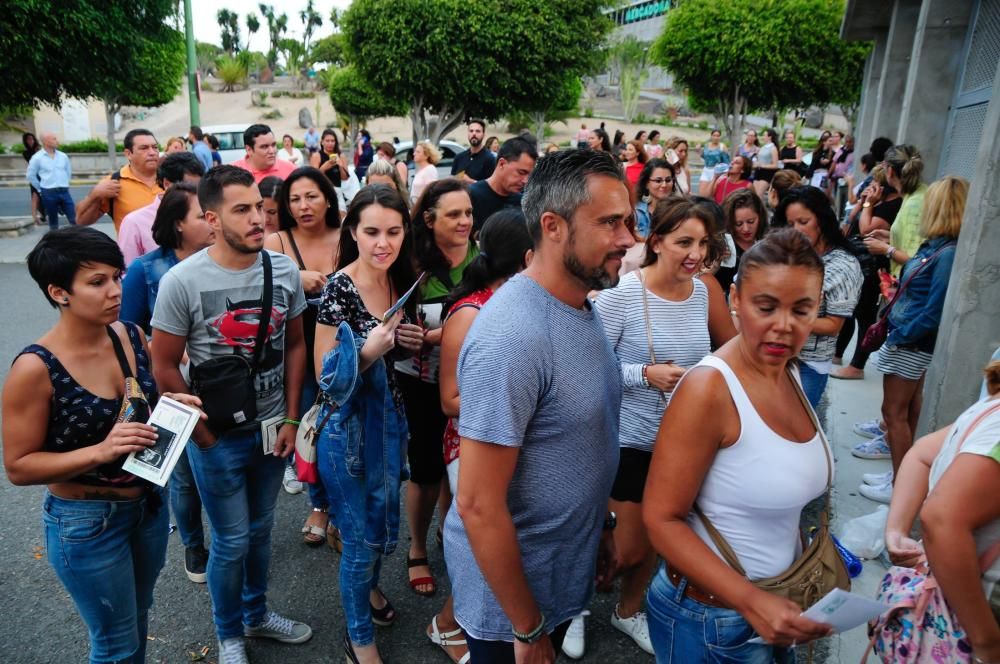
(210, 304)
(541, 392)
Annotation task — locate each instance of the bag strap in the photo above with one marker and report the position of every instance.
(720, 542)
(902, 287)
(295, 248)
(120, 352)
(649, 324)
(265, 312)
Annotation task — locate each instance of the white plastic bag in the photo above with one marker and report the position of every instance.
(864, 536)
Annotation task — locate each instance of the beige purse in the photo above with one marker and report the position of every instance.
(820, 568)
(649, 327)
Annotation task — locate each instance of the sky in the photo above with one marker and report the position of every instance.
(206, 27)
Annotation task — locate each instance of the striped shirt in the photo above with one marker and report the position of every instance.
(841, 289)
(680, 335)
(538, 375)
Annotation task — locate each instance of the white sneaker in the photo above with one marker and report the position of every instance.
(280, 629)
(869, 429)
(291, 481)
(876, 479)
(637, 627)
(574, 643)
(233, 651)
(880, 494)
(876, 448)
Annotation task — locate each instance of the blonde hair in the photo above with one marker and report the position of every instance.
(878, 175)
(672, 144)
(905, 160)
(386, 167)
(944, 206)
(171, 141)
(433, 154)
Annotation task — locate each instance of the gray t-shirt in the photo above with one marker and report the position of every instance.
(218, 311)
(540, 375)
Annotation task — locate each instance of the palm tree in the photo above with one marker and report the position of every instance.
(276, 26)
(230, 24)
(310, 21)
(253, 25)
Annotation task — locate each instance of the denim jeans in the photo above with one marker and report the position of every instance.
(185, 503)
(56, 200)
(502, 652)
(688, 632)
(813, 383)
(360, 564)
(107, 554)
(239, 488)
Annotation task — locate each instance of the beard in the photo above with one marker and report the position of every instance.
(238, 242)
(594, 278)
(475, 141)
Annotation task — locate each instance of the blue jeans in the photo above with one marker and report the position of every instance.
(185, 503)
(239, 488)
(813, 383)
(54, 200)
(107, 554)
(688, 632)
(359, 563)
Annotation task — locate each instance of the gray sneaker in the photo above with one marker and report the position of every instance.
(233, 651)
(279, 628)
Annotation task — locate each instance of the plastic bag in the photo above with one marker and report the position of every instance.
(864, 536)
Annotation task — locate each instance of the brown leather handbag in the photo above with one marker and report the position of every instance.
(820, 568)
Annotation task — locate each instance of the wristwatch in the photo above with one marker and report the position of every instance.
(610, 521)
(866, 205)
(645, 377)
(532, 636)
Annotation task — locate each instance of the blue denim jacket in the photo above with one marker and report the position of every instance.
(372, 432)
(141, 283)
(916, 315)
(642, 218)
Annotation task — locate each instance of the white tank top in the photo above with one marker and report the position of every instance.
(756, 488)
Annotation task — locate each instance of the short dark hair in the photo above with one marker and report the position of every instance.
(388, 148)
(198, 133)
(814, 200)
(213, 141)
(252, 132)
(60, 254)
(673, 212)
(559, 184)
(270, 187)
(401, 271)
(642, 186)
(782, 246)
(130, 137)
(174, 207)
(879, 147)
(176, 165)
(653, 134)
(513, 148)
(331, 132)
(868, 161)
(285, 218)
(472, 121)
(210, 189)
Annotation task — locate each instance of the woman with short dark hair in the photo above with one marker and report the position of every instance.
(75, 405)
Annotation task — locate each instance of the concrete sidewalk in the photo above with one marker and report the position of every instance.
(16, 249)
(851, 401)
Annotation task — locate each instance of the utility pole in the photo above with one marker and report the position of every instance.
(194, 92)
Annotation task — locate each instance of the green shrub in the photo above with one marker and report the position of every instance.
(206, 86)
(3, 149)
(272, 115)
(588, 112)
(88, 146)
(703, 124)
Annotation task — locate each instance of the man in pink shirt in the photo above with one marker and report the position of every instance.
(135, 236)
(262, 154)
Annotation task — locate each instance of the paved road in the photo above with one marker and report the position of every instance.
(15, 201)
(40, 624)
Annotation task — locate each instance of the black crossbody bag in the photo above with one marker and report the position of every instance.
(225, 385)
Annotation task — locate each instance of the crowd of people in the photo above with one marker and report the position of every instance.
(591, 372)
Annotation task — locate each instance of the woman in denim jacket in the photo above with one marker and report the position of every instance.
(913, 324)
(362, 448)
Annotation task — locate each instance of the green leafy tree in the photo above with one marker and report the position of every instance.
(765, 54)
(207, 55)
(253, 25)
(354, 98)
(329, 50)
(310, 21)
(629, 57)
(229, 23)
(295, 57)
(471, 57)
(558, 108)
(51, 51)
(153, 77)
(232, 72)
(276, 26)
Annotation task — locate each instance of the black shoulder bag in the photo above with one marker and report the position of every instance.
(226, 384)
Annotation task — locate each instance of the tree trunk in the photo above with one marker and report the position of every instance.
(434, 127)
(539, 118)
(110, 110)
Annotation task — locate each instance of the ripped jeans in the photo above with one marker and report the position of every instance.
(107, 554)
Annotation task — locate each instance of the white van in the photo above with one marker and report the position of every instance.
(230, 140)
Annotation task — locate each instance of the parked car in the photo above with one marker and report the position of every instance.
(230, 138)
(449, 149)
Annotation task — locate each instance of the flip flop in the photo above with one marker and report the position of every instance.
(446, 640)
(313, 535)
(421, 580)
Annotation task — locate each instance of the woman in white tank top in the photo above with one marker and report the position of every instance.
(737, 441)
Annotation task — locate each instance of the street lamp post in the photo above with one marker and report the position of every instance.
(192, 66)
